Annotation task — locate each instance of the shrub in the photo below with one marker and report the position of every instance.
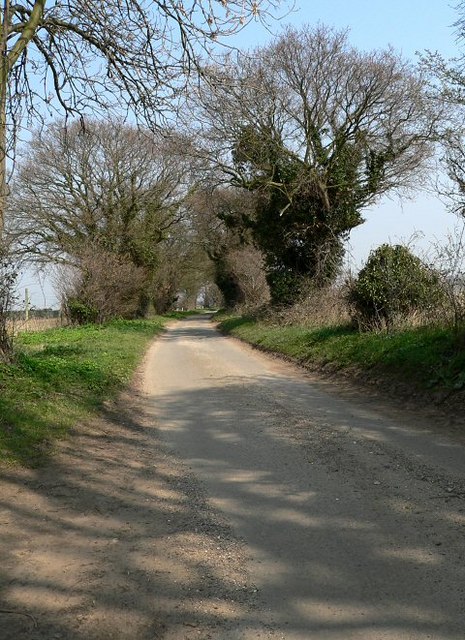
(80, 312)
(393, 284)
(285, 286)
(101, 287)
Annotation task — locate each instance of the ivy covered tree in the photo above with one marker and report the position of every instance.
(317, 131)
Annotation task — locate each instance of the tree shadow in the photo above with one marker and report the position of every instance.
(116, 538)
(350, 540)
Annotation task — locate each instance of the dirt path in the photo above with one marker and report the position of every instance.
(235, 500)
(114, 540)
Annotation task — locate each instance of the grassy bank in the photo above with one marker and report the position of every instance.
(63, 376)
(425, 358)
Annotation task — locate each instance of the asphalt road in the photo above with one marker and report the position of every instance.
(351, 515)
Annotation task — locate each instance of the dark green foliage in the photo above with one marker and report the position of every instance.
(391, 285)
(299, 223)
(227, 282)
(286, 286)
(80, 312)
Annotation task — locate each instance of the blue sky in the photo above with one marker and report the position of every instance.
(407, 25)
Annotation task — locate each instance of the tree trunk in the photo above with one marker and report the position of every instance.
(3, 97)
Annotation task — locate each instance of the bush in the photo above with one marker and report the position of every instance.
(81, 313)
(393, 284)
(101, 287)
(285, 286)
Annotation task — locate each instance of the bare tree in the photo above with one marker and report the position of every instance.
(318, 131)
(448, 259)
(93, 55)
(113, 187)
(447, 84)
(110, 184)
(450, 185)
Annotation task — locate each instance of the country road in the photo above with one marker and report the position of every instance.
(353, 522)
(230, 496)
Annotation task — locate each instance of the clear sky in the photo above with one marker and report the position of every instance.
(409, 26)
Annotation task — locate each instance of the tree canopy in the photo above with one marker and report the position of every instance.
(109, 189)
(109, 184)
(114, 56)
(447, 85)
(88, 52)
(318, 131)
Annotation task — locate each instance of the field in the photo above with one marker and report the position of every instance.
(35, 324)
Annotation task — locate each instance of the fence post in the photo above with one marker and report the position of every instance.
(27, 304)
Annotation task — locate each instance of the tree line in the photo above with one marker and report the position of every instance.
(248, 169)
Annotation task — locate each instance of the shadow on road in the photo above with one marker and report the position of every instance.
(104, 542)
(116, 539)
(350, 541)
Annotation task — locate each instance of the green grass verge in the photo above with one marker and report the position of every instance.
(63, 376)
(426, 358)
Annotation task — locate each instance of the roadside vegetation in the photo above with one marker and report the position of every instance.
(399, 323)
(424, 358)
(244, 197)
(62, 377)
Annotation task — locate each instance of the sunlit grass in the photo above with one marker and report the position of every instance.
(424, 357)
(61, 376)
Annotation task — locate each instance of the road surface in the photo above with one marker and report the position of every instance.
(351, 520)
(236, 499)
